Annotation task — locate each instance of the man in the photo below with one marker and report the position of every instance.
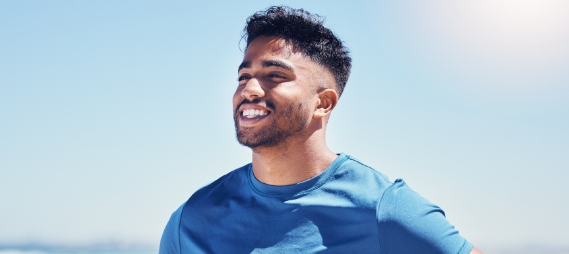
(297, 196)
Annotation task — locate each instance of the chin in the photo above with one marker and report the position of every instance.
(254, 140)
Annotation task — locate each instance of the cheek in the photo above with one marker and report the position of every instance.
(309, 100)
(237, 98)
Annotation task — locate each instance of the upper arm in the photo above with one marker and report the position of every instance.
(475, 251)
(170, 242)
(409, 223)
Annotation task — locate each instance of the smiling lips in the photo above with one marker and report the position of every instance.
(251, 113)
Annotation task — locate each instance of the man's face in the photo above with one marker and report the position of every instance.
(275, 98)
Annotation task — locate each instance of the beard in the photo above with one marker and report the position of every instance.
(286, 122)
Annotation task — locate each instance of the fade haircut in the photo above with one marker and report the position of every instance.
(306, 32)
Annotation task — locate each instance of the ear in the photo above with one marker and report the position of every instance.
(327, 100)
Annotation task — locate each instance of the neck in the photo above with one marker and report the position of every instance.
(294, 161)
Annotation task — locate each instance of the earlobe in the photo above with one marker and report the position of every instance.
(327, 100)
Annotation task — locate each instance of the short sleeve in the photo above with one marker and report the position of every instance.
(170, 242)
(409, 223)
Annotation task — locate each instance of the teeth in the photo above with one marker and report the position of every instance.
(250, 113)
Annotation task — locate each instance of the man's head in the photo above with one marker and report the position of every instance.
(306, 32)
(290, 79)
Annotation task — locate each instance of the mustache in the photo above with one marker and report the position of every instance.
(265, 103)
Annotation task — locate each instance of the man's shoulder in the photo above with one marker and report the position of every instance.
(230, 183)
(353, 180)
(358, 171)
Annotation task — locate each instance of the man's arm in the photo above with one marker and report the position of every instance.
(170, 242)
(475, 251)
(409, 223)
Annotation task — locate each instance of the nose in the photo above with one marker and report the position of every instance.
(252, 90)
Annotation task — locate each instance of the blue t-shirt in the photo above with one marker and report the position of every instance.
(348, 208)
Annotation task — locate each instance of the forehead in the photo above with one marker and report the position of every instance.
(265, 48)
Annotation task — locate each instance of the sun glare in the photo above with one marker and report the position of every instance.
(516, 48)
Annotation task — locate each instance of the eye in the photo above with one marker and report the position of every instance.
(276, 75)
(243, 77)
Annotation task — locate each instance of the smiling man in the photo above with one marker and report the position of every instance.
(298, 196)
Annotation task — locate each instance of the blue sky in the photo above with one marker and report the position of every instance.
(113, 113)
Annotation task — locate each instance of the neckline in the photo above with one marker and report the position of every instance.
(297, 188)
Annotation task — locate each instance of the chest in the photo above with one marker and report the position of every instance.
(251, 225)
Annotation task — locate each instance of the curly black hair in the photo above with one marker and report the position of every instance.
(307, 33)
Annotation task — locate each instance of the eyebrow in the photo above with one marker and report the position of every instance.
(267, 64)
(244, 65)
